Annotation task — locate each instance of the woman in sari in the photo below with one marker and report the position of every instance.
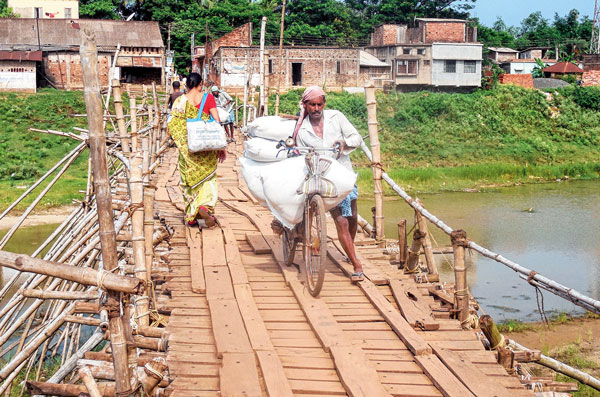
(198, 171)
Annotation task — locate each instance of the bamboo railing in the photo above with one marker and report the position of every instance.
(78, 294)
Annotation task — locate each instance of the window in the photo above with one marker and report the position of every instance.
(426, 62)
(470, 66)
(420, 51)
(406, 66)
(406, 51)
(38, 12)
(338, 67)
(67, 13)
(270, 66)
(450, 66)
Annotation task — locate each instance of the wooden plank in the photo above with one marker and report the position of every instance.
(228, 327)
(239, 196)
(232, 254)
(469, 374)
(441, 376)
(356, 374)
(412, 312)
(257, 332)
(405, 332)
(213, 247)
(194, 241)
(276, 381)
(238, 375)
(218, 283)
(258, 243)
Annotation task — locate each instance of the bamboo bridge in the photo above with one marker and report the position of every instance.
(132, 301)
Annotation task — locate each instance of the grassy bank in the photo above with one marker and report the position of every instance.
(27, 155)
(438, 141)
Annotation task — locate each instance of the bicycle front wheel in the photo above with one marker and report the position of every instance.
(315, 244)
(288, 242)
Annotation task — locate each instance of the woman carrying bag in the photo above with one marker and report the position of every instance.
(198, 170)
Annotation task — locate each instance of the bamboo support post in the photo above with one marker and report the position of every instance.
(412, 263)
(107, 389)
(461, 292)
(154, 372)
(88, 380)
(376, 161)
(92, 98)
(94, 322)
(149, 228)
(427, 247)
(118, 101)
(157, 344)
(137, 227)
(365, 226)
(402, 245)
(133, 124)
(487, 325)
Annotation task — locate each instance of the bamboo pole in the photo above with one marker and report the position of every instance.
(146, 159)
(133, 125)
(376, 161)
(412, 263)
(149, 228)
(77, 149)
(42, 294)
(81, 275)
(487, 325)
(120, 118)
(280, 70)
(103, 201)
(563, 368)
(154, 372)
(88, 380)
(137, 231)
(461, 292)
(82, 320)
(427, 248)
(107, 389)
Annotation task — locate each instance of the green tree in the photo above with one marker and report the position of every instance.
(6, 11)
(98, 9)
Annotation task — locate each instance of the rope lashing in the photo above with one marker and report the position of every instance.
(100, 276)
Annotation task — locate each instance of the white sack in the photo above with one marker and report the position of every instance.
(223, 114)
(251, 171)
(274, 128)
(264, 150)
(344, 181)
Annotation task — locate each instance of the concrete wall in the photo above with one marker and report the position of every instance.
(439, 77)
(50, 8)
(17, 76)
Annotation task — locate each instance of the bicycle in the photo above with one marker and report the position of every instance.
(312, 231)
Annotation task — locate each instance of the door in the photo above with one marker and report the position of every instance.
(296, 73)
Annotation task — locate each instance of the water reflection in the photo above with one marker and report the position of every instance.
(551, 228)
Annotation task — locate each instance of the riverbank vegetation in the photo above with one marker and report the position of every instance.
(430, 142)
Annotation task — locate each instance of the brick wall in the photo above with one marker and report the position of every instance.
(590, 77)
(453, 32)
(385, 34)
(236, 38)
(64, 70)
(522, 80)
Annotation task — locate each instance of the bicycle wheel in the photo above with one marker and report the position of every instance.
(315, 244)
(289, 244)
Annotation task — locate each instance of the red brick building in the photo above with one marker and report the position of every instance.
(140, 60)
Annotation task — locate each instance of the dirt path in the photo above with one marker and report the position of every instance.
(52, 215)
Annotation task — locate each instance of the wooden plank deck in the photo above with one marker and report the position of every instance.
(242, 323)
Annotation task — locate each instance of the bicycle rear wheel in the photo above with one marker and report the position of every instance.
(315, 244)
(289, 244)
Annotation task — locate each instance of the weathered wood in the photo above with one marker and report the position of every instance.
(276, 381)
(402, 245)
(238, 375)
(427, 247)
(228, 327)
(412, 263)
(356, 374)
(441, 377)
(118, 102)
(82, 320)
(461, 292)
(487, 325)
(81, 275)
(88, 380)
(412, 313)
(194, 240)
(258, 243)
(71, 295)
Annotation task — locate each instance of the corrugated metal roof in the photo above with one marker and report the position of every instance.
(501, 49)
(22, 32)
(367, 59)
(563, 67)
(21, 55)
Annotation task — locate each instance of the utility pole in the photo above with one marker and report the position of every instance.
(595, 41)
(192, 50)
(169, 37)
(280, 72)
(261, 99)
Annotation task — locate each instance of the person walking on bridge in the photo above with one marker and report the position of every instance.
(198, 171)
(320, 127)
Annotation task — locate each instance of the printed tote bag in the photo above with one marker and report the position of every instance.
(205, 135)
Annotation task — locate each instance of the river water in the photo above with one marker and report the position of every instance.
(552, 228)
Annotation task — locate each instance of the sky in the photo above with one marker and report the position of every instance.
(514, 11)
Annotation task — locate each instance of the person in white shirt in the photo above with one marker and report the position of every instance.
(320, 127)
(225, 101)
